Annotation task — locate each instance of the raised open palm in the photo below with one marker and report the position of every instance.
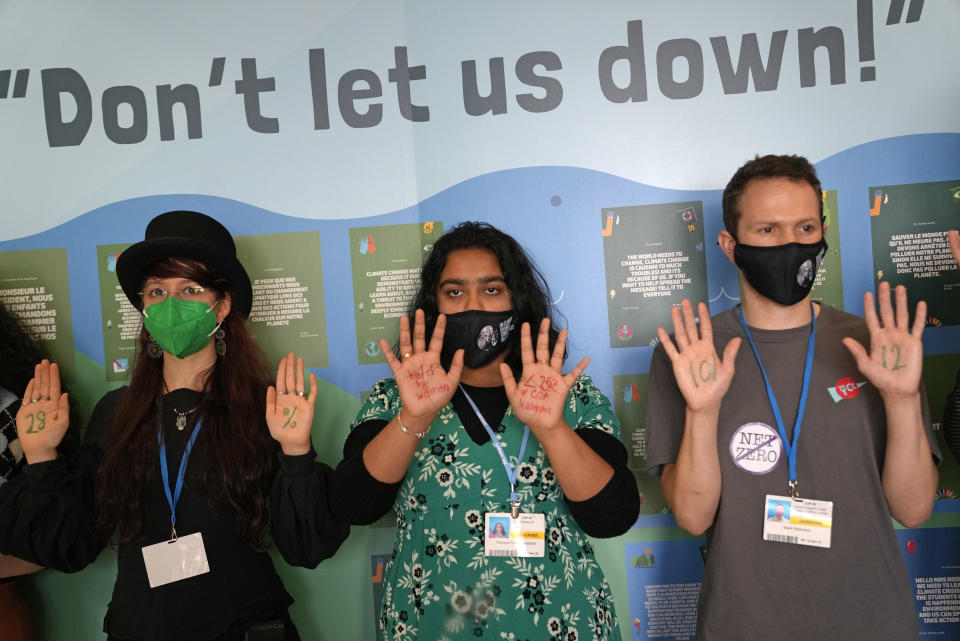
(44, 414)
(703, 378)
(289, 408)
(425, 386)
(538, 398)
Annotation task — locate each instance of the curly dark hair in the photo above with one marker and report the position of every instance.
(770, 166)
(529, 292)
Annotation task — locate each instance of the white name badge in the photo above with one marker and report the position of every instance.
(508, 536)
(798, 521)
(175, 560)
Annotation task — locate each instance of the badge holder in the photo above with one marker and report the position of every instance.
(790, 519)
(514, 533)
(174, 560)
(505, 535)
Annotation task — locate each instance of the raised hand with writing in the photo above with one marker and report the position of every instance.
(703, 378)
(44, 414)
(289, 408)
(424, 386)
(895, 360)
(539, 397)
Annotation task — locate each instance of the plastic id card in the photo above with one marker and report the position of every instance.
(175, 560)
(798, 521)
(508, 536)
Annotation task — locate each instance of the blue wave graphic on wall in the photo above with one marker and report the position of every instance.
(553, 211)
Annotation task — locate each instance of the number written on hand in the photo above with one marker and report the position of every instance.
(37, 423)
(707, 371)
(536, 390)
(895, 351)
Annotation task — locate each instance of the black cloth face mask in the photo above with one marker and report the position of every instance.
(783, 273)
(481, 335)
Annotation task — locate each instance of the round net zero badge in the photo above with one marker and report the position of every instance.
(756, 448)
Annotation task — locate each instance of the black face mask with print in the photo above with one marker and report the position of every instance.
(481, 335)
(783, 273)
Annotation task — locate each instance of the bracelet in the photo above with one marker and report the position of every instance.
(411, 432)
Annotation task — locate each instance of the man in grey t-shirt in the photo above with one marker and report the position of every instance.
(851, 448)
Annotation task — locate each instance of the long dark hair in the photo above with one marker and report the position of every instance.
(234, 453)
(529, 292)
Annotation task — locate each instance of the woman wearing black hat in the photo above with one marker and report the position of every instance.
(191, 538)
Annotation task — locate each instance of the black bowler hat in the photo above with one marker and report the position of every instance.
(186, 234)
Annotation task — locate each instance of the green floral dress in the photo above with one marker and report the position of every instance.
(439, 586)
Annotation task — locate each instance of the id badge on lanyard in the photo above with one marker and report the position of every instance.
(515, 533)
(179, 557)
(175, 560)
(790, 519)
(508, 536)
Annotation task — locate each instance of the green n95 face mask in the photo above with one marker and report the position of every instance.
(180, 327)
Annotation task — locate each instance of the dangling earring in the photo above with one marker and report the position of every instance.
(220, 345)
(154, 349)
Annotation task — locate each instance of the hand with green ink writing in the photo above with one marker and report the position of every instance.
(44, 414)
(703, 378)
(290, 409)
(895, 360)
(538, 398)
(425, 386)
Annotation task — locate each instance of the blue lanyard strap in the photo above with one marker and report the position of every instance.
(172, 500)
(789, 447)
(511, 471)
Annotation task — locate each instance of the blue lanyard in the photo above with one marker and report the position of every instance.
(789, 448)
(511, 471)
(172, 500)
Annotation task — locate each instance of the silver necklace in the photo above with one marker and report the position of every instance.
(182, 417)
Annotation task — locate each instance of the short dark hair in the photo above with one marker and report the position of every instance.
(529, 293)
(769, 166)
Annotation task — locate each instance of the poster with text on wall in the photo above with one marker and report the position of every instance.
(386, 264)
(654, 258)
(630, 406)
(121, 320)
(932, 557)
(35, 287)
(663, 581)
(828, 285)
(288, 313)
(908, 224)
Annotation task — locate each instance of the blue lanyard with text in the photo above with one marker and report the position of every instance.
(790, 448)
(511, 472)
(172, 500)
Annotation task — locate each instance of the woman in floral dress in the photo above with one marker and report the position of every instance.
(422, 444)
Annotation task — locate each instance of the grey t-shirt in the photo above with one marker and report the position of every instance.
(754, 589)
